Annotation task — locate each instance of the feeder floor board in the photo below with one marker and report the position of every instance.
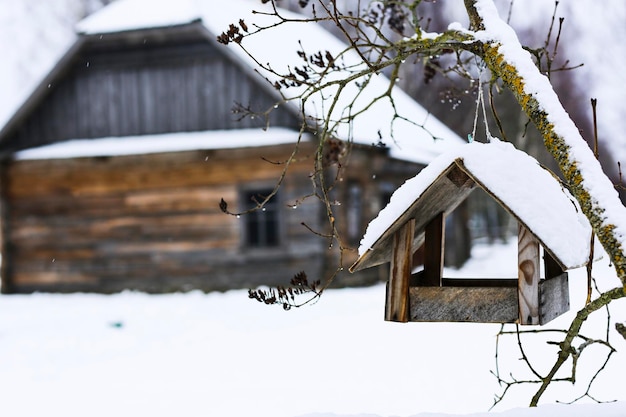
(494, 304)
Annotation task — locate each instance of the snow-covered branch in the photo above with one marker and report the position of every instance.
(505, 57)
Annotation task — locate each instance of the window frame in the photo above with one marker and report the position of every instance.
(266, 222)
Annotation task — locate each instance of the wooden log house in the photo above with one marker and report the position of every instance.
(549, 226)
(113, 169)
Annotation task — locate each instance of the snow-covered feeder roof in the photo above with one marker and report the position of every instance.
(513, 178)
(162, 143)
(418, 141)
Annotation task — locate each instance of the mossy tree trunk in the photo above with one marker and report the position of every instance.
(561, 148)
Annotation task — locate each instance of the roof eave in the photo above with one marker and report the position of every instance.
(139, 35)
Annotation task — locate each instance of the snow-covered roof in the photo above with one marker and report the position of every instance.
(512, 177)
(279, 46)
(168, 142)
(125, 15)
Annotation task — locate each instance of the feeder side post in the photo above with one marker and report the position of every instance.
(528, 276)
(397, 306)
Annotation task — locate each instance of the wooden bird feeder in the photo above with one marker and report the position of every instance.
(526, 191)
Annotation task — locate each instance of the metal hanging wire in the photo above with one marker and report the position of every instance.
(480, 104)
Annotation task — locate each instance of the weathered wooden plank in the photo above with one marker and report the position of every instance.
(191, 98)
(397, 306)
(182, 199)
(178, 78)
(42, 232)
(165, 201)
(528, 276)
(98, 107)
(233, 94)
(553, 298)
(136, 172)
(52, 278)
(126, 103)
(82, 99)
(147, 99)
(486, 300)
(204, 96)
(114, 107)
(463, 304)
(43, 255)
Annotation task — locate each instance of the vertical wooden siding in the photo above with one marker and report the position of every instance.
(160, 89)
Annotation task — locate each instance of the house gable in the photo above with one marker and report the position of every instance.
(151, 81)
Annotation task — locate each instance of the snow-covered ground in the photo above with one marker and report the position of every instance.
(225, 355)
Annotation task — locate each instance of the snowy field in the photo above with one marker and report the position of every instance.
(224, 355)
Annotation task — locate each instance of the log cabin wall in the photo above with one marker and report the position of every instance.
(151, 223)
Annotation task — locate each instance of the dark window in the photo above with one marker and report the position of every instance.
(261, 226)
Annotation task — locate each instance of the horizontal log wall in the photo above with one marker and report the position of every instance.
(151, 223)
